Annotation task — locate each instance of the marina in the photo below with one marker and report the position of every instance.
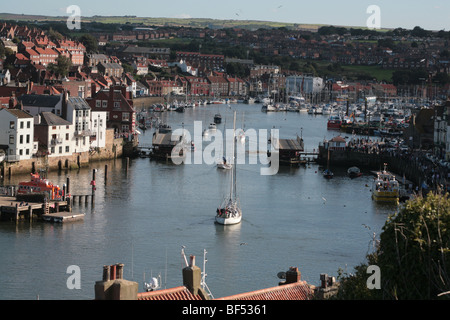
(146, 210)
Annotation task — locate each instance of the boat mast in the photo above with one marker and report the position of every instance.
(234, 155)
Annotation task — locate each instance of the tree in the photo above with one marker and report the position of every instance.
(90, 42)
(62, 66)
(413, 254)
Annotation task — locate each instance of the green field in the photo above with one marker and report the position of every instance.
(375, 71)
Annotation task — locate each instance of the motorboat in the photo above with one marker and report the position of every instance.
(354, 172)
(386, 187)
(224, 164)
(217, 118)
(328, 174)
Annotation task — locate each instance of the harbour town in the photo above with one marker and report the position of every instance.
(276, 180)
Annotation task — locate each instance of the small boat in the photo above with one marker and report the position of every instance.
(229, 212)
(385, 187)
(180, 109)
(334, 122)
(217, 118)
(354, 172)
(328, 174)
(224, 164)
(268, 107)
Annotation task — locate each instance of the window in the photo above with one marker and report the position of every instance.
(60, 149)
(116, 104)
(21, 124)
(67, 149)
(104, 103)
(21, 139)
(12, 124)
(98, 103)
(20, 152)
(27, 152)
(11, 139)
(52, 150)
(125, 116)
(67, 137)
(28, 138)
(28, 124)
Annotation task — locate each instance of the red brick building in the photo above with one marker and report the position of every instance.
(118, 105)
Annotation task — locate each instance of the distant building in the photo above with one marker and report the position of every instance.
(304, 85)
(110, 69)
(259, 70)
(211, 62)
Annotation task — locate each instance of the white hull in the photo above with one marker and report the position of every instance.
(225, 166)
(229, 220)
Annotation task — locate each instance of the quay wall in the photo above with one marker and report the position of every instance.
(373, 161)
(114, 148)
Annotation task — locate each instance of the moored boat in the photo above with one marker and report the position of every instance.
(334, 122)
(217, 118)
(39, 185)
(354, 172)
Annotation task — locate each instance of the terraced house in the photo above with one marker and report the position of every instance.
(118, 106)
(17, 136)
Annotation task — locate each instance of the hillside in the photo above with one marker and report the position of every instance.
(176, 22)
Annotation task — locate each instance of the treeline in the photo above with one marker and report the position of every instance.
(418, 77)
(415, 32)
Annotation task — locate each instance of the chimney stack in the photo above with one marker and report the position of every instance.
(293, 275)
(113, 286)
(192, 277)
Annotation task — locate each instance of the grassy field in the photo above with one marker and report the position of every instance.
(374, 71)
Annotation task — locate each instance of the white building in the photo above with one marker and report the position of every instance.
(304, 84)
(98, 128)
(34, 104)
(186, 67)
(17, 135)
(55, 135)
(89, 127)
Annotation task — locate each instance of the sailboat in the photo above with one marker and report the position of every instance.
(230, 212)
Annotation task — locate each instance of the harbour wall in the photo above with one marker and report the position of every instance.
(373, 161)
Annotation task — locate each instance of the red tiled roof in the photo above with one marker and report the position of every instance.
(294, 291)
(177, 293)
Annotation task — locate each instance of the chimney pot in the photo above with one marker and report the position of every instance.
(324, 280)
(119, 270)
(113, 272)
(106, 273)
(192, 261)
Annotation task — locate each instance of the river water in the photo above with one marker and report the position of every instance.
(144, 213)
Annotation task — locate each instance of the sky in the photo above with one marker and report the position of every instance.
(430, 14)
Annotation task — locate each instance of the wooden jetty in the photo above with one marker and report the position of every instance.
(61, 217)
(53, 211)
(291, 152)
